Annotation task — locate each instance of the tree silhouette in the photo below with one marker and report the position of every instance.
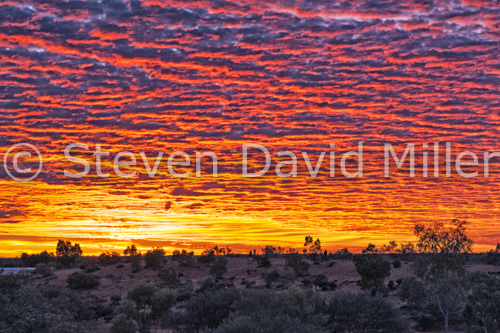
(443, 268)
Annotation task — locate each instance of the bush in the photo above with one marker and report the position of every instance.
(66, 327)
(107, 258)
(281, 323)
(154, 258)
(31, 260)
(320, 280)
(141, 294)
(218, 268)
(135, 262)
(300, 267)
(123, 324)
(271, 277)
(9, 284)
(169, 276)
(43, 269)
(482, 309)
(186, 258)
(349, 312)
(266, 308)
(341, 254)
(396, 263)
(162, 301)
(373, 270)
(82, 281)
(208, 283)
(210, 308)
(263, 261)
(92, 269)
(207, 256)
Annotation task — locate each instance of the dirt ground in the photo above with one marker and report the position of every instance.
(118, 279)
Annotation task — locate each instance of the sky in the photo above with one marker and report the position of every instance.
(198, 76)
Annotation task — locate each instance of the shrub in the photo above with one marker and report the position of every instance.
(281, 323)
(300, 267)
(271, 277)
(341, 254)
(107, 258)
(208, 255)
(373, 270)
(123, 324)
(31, 260)
(92, 269)
(43, 269)
(349, 312)
(66, 327)
(320, 280)
(162, 301)
(135, 263)
(154, 258)
(210, 308)
(9, 284)
(82, 281)
(186, 258)
(396, 263)
(208, 283)
(169, 276)
(482, 309)
(141, 294)
(218, 268)
(263, 261)
(264, 306)
(115, 299)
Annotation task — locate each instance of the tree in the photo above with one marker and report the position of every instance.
(269, 250)
(389, 248)
(369, 249)
(154, 258)
(142, 294)
(373, 270)
(314, 246)
(67, 253)
(130, 250)
(65, 248)
(442, 267)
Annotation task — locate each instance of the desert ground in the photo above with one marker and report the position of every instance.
(243, 272)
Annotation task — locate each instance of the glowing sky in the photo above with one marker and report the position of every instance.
(211, 75)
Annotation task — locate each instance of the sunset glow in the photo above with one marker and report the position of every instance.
(199, 76)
